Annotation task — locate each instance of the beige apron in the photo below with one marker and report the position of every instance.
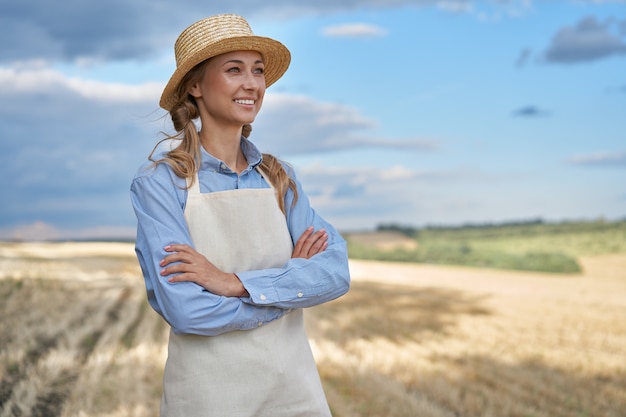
(267, 371)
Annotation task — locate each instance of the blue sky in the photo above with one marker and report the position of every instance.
(407, 112)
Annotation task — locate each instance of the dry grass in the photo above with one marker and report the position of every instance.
(422, 340)
(78, 340)
(77, 336)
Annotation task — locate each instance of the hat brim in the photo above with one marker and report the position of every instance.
(275, 55)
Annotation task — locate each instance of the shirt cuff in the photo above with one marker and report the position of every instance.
(259, 285)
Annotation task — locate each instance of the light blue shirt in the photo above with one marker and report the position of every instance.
(159, 196)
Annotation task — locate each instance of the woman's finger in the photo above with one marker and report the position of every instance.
(303, 237)
(319, 245)
(309, 237)
(178, 247)
(179, 253)
(186, 277)
(177, 268)
(178, 257)
(310, 243)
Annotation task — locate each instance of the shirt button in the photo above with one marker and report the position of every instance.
(223, 166)
(260, 324)
(263, 297)
(300, 295)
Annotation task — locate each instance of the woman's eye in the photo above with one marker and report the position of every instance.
(233, 69)
(260, 70)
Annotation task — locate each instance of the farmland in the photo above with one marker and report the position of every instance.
(527, 246)
(78, 339)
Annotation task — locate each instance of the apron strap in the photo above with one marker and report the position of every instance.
(195, 187)
(265, 177)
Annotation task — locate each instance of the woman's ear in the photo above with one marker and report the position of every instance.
(195, 90)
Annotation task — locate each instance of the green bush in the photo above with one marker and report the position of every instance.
(526, 246)
(464, 255)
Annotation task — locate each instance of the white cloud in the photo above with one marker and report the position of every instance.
(455, 6)
(35, 79)
(292, 124)
(352, 197)
(617, 158)
(356, 198)
(354, 30)
(115, 91)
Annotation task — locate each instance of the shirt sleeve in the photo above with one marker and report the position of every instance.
(302, 282)
(158, 202)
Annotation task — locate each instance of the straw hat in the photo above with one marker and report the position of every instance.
(217, 35)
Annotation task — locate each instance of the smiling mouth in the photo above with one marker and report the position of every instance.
(241, 101)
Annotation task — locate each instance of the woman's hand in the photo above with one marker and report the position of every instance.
(185, 264)
(310, 243)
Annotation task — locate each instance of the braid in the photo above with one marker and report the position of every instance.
(272, 167)
(246, 130)
(185, 157)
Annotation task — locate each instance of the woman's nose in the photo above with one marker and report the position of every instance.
(253, 81)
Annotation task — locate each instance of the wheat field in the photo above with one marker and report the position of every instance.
(77, 338)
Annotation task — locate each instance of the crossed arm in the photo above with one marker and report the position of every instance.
(185, 264)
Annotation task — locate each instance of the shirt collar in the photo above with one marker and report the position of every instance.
(251, 152)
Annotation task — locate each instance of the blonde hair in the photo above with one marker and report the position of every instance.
(185, 158)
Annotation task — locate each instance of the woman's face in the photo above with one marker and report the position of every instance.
(231, 90)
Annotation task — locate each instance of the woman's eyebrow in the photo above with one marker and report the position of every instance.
(238, 61)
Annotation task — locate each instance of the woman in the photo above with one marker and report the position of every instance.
(230, 249)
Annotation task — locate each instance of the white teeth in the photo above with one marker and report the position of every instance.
(244, 101)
